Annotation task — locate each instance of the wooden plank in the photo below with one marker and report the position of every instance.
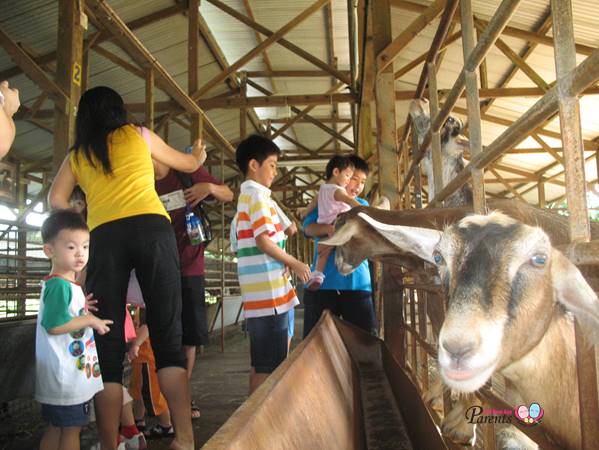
(260, 48)
(283, 42)
(386, 56)
(68, 76)
(578, 220)
(436, 136)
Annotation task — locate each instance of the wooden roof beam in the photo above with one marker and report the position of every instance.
(101, 37)
(34, 71)
(114, 25)
(283, 42)
(277, 35)
(528, 36)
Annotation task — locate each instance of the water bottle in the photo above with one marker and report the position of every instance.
(194, 228)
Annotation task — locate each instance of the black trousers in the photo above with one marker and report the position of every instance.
(147, 244)
(355, 307)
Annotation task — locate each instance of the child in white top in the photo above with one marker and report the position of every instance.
(67, 369)
(332, 201)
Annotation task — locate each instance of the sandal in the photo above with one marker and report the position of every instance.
(195, 411)
(140, 424)
(159, 432)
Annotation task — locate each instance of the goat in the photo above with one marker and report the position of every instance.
(511, 297)
(453, 146)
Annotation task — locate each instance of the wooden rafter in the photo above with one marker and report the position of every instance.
(113, 24)
(277, 35)
(342, 76)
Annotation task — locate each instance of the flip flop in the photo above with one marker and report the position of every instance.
(195, 411)
(159, 432)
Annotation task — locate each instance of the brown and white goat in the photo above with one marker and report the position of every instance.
(511, 301)
(453, 146)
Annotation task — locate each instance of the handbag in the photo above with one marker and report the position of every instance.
(198, 211)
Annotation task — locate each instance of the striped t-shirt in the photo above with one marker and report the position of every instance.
(264, 286)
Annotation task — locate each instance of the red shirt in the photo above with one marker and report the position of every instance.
(191, 256)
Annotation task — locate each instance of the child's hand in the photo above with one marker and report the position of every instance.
(100, 325)
(133, 352)
(199, 151)
(301, 270)
(90, 303)
(291, 229)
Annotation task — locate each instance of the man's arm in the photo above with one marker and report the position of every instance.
(199, 191)
(304, 212)
(315, 230)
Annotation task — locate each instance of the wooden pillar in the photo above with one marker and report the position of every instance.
(541, 188)
(222, 254)
(150, 98)
(68, 75)
(21, 243)
(472, 99)
(192, 63)
(243, 111)
(433, 103)
(388, 159)
(569, 114)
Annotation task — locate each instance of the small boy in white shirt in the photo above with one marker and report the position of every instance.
(67, 368)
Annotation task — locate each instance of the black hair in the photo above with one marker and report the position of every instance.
(337, 162)
(101, 111)
(62, 219)
(255, 147)
(359, 164)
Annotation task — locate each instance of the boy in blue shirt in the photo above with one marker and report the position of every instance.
(67, 368)
(349, 297)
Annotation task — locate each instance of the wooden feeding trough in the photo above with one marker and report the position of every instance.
(339, 389)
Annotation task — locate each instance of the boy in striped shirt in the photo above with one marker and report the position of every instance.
(266, 292)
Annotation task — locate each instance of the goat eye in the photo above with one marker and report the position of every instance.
(437, 258)
(539, 260)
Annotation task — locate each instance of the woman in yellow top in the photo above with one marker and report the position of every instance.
(112, 162)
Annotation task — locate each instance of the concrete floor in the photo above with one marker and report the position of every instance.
(219, 387)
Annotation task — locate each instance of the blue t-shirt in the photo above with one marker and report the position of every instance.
(358, 280)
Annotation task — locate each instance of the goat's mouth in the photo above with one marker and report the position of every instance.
(466, 379)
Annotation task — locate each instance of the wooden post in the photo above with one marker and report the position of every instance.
(569, 114)
(192, 62)
(385, 106)
(150, 98)
(243, 111)
(471, 83)
(541, 188)
(69, 60)
(222, 255)
(438, 181)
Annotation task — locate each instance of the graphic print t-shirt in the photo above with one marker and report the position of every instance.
(67, 366)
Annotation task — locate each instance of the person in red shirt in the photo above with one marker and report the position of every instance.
(176, 198)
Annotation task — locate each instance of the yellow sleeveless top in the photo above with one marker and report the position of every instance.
(129, 190)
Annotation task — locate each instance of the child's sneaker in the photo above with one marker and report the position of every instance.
(136, 442)
(315, 281)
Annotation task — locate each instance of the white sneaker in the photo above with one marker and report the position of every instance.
(137, 442)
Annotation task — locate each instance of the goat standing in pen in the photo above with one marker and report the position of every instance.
(511, 298)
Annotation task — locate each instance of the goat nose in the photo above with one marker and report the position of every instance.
(459, 349)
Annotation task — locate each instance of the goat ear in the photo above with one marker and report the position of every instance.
(572, 290)
(419, 242)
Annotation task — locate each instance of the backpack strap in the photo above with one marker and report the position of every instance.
(184, 178)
